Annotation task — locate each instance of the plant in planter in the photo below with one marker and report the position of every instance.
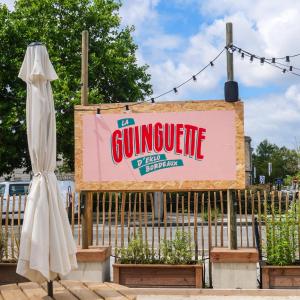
(282, 270)
(173, 266)
(8, 267)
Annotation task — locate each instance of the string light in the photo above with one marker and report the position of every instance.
(272, 61)
(152, 100)
(194, 78)
(175, 90)
(211, 64)
(242, 55)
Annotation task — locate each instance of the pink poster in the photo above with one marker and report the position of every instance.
(166, 146)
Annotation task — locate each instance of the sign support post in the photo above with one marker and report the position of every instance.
(87, 216)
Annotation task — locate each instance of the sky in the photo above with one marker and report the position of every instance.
(178, 38)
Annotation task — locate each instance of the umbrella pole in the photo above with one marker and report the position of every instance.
(50, 288)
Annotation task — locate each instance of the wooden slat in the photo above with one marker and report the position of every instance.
(216, 219)
(140, 215)
(259, 215)
(134, 214)
(109, 217)
(222, 219)
(103, 217)
(105, 291)
(196, 224)
(79, 290)
(240, 215)
(171, 216)
(73, 213)
(122, 218)
(158, 226)
(253, 217)
(202, 226)
(189, 212)
(152, 219)
(59, 292)
(177, 208)
(34, 291)
(116, 218)
(246, 218)
(145, 217)
(165, 215)
(129, 217)
(12, 292)
(97, 218)
(6, 226)
(19, 216)
(182, 213)
(12, 230)
(79, 219)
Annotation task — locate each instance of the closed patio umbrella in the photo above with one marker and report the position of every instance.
(47, 248)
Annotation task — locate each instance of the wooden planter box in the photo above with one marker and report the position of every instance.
(168, 276)
(280, 277)
(8, 274)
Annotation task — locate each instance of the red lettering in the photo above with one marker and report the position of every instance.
(158, 137)
(128, 142)
(200, 138)
(190, 136)
(116, 146)
(146, 140)
(179, 132)
(137, 140)
(169, 136)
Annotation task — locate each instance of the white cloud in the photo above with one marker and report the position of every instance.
(275, 117)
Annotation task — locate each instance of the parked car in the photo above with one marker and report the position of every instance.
(21, 188)
(13, 190)
(290, 192)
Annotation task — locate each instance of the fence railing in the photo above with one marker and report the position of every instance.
(117, 217)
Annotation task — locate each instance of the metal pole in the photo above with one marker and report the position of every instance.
(87, 219)
(50, 288)
(229, 40)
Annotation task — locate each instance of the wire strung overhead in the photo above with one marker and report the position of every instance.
(174, 89)
(150, 100)
(285, 68)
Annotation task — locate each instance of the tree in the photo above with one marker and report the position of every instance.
(284, 161)
(114, 75)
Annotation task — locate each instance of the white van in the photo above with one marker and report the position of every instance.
(16, 192)
(21, 189)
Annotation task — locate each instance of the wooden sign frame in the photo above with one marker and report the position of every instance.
(180, 106)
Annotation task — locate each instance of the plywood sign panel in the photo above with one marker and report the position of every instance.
(194, 145)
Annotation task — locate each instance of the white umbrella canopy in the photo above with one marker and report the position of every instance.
(47, 248)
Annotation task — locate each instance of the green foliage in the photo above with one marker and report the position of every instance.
(137, 252)
(281, 237)
(177, 251)
(114, 75)
(284, 161)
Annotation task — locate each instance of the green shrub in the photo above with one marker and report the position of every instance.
(176, 251)
(281, 237)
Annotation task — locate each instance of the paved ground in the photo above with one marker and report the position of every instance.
(74, 290)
